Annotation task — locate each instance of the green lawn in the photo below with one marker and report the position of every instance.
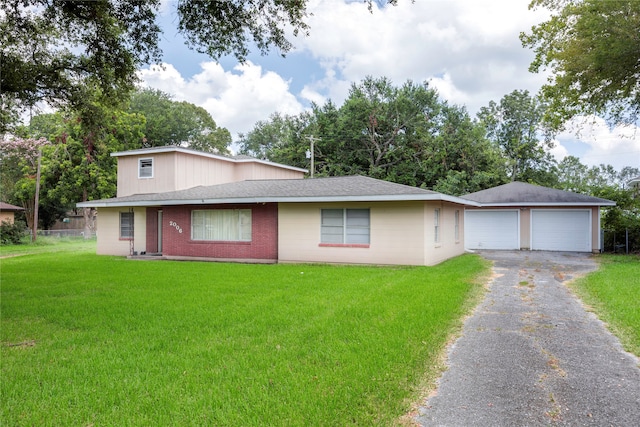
(614, 294)
(49, 244)
(98, 340)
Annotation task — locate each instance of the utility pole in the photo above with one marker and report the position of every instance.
(312, 139)
(37, 198)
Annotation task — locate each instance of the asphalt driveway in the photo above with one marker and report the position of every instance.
(530, 355)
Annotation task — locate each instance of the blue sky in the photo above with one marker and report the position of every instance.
(468, 50)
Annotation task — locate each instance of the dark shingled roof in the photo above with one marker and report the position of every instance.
(520, 193)
(349, 188)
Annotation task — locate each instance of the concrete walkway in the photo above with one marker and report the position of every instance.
(530, 355)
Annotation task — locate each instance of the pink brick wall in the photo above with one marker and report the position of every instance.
(264, 239)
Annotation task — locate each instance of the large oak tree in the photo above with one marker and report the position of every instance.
(51, 50)
(592, 49)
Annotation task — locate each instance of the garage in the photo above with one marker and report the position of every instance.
(561, 230)
(492, 229)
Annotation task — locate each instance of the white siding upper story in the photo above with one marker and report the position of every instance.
(165, 169)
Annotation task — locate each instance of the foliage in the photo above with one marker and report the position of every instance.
(402, 134)
(18, 171)
(78, 165)
(52, 51)
(515, 126)
(172, 343)
(614, 293)
(590, 47)
(12, 233)
(57, 51)
(178, 123)
(605, 182)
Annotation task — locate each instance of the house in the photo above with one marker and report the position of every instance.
(8, 211)
(185, 204)
(524, 216)
(634, 186)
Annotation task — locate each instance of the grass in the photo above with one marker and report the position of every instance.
(48, 244)
(614, 294)
(98, 340)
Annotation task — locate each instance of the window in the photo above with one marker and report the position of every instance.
(145, 168)
(233, 225)
(436, 223)
(345, 226)
(457, 225)
(126, 225)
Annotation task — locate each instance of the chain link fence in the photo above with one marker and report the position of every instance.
(625, 241)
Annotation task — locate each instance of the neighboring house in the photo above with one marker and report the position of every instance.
(7, 212)
(525, 216)
(184, 204)
(634, 185)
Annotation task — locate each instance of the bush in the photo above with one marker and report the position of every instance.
(11, 234)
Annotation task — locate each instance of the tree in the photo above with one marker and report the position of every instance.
(515, 125)
(402, 134)
(178, 123)
(280, 139)
(591, 49)
(51, 50)
(20, 159)
(77, 166)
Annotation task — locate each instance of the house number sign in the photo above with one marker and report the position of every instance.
(176, 226)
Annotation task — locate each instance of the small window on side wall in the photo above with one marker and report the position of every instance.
(145, 168)
(126, 225)
(436, 223)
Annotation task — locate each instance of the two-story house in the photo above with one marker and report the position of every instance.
(181, 203)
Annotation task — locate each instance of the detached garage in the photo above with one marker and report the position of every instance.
(530, 217)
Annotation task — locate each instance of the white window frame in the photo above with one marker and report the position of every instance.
(221, 225)
(346, 228)
(129, 230)
(149, 166)
(436, 225)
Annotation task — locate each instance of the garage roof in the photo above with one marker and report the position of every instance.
(333, 189)
(523, 194)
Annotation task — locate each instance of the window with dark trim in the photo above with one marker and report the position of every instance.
(126, 225)
(232, 225)
(145, 168)
(345, 226)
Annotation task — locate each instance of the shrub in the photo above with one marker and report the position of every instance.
(11, 233)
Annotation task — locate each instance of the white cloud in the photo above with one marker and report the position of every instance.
(618, 146)
(558, 151)
(469, 50)
(235, 99)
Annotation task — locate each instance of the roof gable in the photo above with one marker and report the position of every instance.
(523, 194)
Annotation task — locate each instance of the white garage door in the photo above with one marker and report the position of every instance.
(561, 230)
(491, 229)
